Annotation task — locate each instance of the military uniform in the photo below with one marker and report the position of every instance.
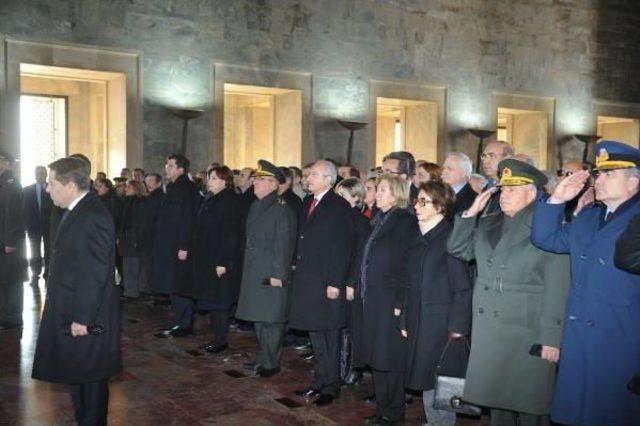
(13, 266)
(270, 242)
(518, 302)
(601, 343)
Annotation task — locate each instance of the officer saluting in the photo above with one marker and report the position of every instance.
(266, 273)
(601, 341)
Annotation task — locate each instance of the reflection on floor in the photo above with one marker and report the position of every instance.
(164, 384)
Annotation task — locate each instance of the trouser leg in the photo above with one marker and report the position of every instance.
(11, 302)
(131, 269)
(90, 402)
(389, 390)
(270, 339)
(326, 347)
(47, 255)
(220, 325)
(35, 262)
(436, 417)
(181, 310)
(145, 273)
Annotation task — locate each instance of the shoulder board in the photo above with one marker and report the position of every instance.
(282, 201)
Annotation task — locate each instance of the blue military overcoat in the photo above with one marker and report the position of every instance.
(601, 340)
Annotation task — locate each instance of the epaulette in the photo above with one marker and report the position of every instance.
(282, 201)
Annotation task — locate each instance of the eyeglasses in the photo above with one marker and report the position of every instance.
(422, 202)
(564, 173)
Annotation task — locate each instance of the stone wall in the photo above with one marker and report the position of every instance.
(571, 50)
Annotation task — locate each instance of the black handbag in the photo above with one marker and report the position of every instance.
(449, 390)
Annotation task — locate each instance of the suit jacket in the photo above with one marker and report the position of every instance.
(13, 266)
(81, 288)
(464, 199)
(37, 219)
(325, 241)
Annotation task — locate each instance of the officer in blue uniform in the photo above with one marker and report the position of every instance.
(601, 340)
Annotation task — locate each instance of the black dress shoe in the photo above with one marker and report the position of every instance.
(205, 345)
(324, 399)
(267, 372)
(177, 331)
(308, 356)
(384, 421)
(307, 393)
(252, 366)
(370, 399)
(352, 378)
(303, 347)
(214, 349)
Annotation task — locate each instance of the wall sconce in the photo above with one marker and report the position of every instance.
(185, 114)
(482, 135)
(352, 126)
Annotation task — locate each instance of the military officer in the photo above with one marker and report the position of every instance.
(601, 344)
(518, 301)
(266, 274)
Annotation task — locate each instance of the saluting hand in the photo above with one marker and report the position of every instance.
(569, 188)
(550, 354)
(333, 292)
(480, 202)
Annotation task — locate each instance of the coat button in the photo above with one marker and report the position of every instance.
(486, 287)
(590, 323)
(583, 257)
(481, 311)
(298, 257)
(496, 314)
(572, 318)
(601, 261)
(490, 262)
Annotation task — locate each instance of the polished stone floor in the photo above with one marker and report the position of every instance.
(164, 384)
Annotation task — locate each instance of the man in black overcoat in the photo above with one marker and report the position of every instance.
(172, 269)
(37, 210)
(79, 339)
(12, 248)
(456, 170)
(325, 240)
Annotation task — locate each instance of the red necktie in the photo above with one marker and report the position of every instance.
(312, 207)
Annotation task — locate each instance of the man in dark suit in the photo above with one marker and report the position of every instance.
(173, 236)
(456, 170)
(493, 153)
(325, 239)
(79, 339)
(403, 164)
(12, 253)
(37, 210)
(285, 191)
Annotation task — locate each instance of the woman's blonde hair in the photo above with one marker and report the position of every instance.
(138, 187)
(399, 188)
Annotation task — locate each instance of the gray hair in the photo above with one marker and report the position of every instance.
(354, 188)
(479, 177)
(464, 161)
(330, 170)
(632, 172)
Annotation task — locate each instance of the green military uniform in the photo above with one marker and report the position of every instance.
(270, 242)
(518, 301)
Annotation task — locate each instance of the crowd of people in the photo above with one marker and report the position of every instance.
(522, 282)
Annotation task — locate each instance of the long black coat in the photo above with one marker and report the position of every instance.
(216, 242)
(325, 241)
(81, 288)
(293, 201)
(174, 231)
(114, 205)
(437, 301)
(37, 219)
(464, 199)
(383, 347)
(151, 208)
(130, 231)
(13, 266)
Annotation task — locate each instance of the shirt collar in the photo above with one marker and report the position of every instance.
(319, 197)
(457, 188)
(76, 201)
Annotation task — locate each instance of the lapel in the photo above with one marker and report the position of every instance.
(618, 224)
(435, 233)
(73, 215)
(493, 227)
(320, 207)
(520, 230)
(389, 225)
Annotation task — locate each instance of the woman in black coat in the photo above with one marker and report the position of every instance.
(130, 237)
(437, 307)
(216, 258)
(353, 191)
(382, 289)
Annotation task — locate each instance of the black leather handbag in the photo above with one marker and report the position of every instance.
(449, 390)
